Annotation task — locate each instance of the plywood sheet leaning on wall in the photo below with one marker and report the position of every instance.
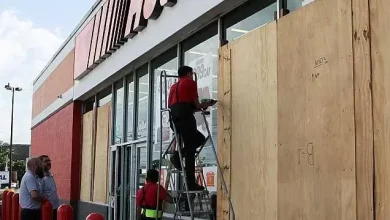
(101, 162)
(363, 111)
(224, 129)
(316, 162)
(254, 119)
(380, 52)
(86, 157)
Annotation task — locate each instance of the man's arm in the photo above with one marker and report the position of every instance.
(199, 106)
(164, 194)
(195, 97)
(168, 198)
(33, 189)
(37, 196)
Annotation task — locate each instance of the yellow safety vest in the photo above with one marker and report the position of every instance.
(152, 213)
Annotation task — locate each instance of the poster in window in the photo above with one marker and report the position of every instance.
(203, 67)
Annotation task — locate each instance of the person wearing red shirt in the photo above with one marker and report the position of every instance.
(183, 101)
(147, 197)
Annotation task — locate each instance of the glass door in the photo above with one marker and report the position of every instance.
(115, 180)
(128, 174)
(138, 176)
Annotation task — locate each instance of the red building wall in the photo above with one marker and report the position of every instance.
(59, 137)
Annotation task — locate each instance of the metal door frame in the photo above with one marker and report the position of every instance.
(126, 157)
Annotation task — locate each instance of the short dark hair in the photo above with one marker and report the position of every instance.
(184, 70)
(152, 175)
(42, 157)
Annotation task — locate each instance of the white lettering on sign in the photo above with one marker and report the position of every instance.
(4, 177)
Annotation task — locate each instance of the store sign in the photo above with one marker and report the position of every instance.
(4, 177)
(114, 24)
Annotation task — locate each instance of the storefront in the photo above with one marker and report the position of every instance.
(134, 100)
(109, 70)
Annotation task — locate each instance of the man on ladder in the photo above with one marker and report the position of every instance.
(183, 102)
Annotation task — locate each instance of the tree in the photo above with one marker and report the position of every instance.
(20, 167)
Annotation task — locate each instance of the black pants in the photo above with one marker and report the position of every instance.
(31, 214)
(54, 214)
(182, 116)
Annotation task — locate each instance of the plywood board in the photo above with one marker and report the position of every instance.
(86, 157)
(363, 111)
(100, 188)
(254, 119)
(316, 132)
(380, 52)
(224, 129)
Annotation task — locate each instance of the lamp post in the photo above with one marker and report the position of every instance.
(12, 89)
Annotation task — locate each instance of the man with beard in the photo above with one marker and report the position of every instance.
(30, 198)
(48, 185)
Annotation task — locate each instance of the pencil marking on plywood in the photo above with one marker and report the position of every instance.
(308, 153)
(321, 61)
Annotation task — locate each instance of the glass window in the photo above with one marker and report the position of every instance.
(201, 53)
(89, 104)
(166, 62)
(119, 96)
(249, 17)
(130, 108)
(104, 96)
(142, 96)
(293, 5)
(142, 164)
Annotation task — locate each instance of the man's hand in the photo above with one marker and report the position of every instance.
(213, 102)
(44, 198)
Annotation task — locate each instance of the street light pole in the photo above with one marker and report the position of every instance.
(12, 89)
(10, 140)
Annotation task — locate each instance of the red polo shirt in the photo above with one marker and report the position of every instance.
(149, 199)
(187, 91)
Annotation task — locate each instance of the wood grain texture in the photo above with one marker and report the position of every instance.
(363, 111)
(86, 157)
(316, 162)
(224, 129)
(380, 53)
(254, 124)
(101, 156)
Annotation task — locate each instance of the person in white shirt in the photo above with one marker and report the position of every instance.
(30, 196)
(48, 185)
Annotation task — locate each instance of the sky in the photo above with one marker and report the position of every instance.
(30, 33)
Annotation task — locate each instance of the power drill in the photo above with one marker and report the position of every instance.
(208, 101)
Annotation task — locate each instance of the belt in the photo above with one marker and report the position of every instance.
(152, 213)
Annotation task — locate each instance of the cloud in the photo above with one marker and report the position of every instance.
(25, 50)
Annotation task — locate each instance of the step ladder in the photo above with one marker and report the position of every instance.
(187, 204)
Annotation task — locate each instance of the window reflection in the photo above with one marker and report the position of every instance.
(261, 16)
(104, 96)
(167, 63)
(118, 130)
(130, 108)
(293, 5)
(143, 93)
(203, 58)
(142, 165)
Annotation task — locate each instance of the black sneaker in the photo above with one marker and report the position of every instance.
(175, 160)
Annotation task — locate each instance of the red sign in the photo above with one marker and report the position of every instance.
(210, 178)
(114, 23)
